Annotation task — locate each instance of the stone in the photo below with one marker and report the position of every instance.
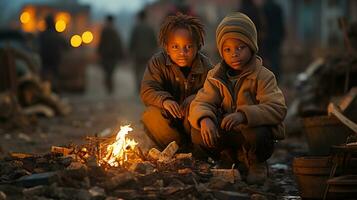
(258, 197)
(118, 180)
(2, 195)
(231, 175)
(142, 167)
(34, 191)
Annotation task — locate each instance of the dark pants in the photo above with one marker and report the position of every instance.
(248, 145)
(140, 65)
(109, 67)
(162, 128)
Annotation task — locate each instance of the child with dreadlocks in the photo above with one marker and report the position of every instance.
(172, 78)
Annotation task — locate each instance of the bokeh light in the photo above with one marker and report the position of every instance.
(76, 41)
(25, 17)
(60, 26)
(87, 37)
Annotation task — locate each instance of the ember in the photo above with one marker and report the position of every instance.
(117, 152)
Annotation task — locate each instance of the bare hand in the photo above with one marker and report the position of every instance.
(173, 108)
(209, 132)
(232, 120)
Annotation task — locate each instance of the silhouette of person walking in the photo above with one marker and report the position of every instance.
(110, 51)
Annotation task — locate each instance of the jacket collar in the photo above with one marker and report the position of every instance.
(197, 65)
(250, 72)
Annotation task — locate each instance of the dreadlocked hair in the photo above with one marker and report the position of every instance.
(190, 23)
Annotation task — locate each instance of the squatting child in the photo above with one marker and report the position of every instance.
(240, 109)
(172, 78)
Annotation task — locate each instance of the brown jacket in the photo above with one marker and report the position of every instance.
(258, 97)
(164, 80)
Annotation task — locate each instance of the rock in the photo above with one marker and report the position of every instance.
(24, 137)
(2, 195)
(258, 197)
(218, 183)
(69, 193)
(142, 167)
(76, 165)
(34, 191)
(37, 179)
(231, 175)
(97, 192)
(118, 180)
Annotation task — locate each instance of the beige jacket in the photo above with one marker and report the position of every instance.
(258, 97)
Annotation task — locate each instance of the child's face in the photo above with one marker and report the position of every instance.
(236, 53)
(181, 48)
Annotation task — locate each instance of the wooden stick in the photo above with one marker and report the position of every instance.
(333, 109)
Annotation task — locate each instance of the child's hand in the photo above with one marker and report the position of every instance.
(173, 108)
(209, 132)
(232, 120)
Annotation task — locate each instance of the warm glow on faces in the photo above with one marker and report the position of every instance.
(181, 47)
(236, 53)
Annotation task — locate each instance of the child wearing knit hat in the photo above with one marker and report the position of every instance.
(239, 111)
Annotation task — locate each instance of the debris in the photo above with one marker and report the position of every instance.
(62, 150)
(2, 195)
(118, 180)
(168, 152)
(258, 197)
(39, 110)
(142, 167)
(154, 154)
(97, 192)
(37, 179)
(185, 171)
(183, 156)
(279, 166)
(34, 191)
(25, 137)
(20, 155)
(231, 175)
(332, 109)
(218, 183)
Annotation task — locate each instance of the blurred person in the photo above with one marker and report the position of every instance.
(274, 36)
(172, 78)
(142, 45)
(240, 109)
(110, 51)
(51, 48)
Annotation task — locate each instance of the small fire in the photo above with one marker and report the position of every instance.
(116, 153)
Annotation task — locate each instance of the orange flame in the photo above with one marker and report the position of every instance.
(116, 153)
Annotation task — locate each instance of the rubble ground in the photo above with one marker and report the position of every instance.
(35, 173)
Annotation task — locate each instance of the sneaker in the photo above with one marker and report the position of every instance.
(257, 173)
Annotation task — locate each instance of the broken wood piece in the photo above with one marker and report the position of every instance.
(154, 154)
(231, 175)
(62, 150)
(348, 99)
(333, 109)
(185, 171)
(20, 155)
(183, 156)
(168, 152)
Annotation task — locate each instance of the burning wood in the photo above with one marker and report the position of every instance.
(117, 152)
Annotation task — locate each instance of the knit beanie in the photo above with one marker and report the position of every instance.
(239, 26)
